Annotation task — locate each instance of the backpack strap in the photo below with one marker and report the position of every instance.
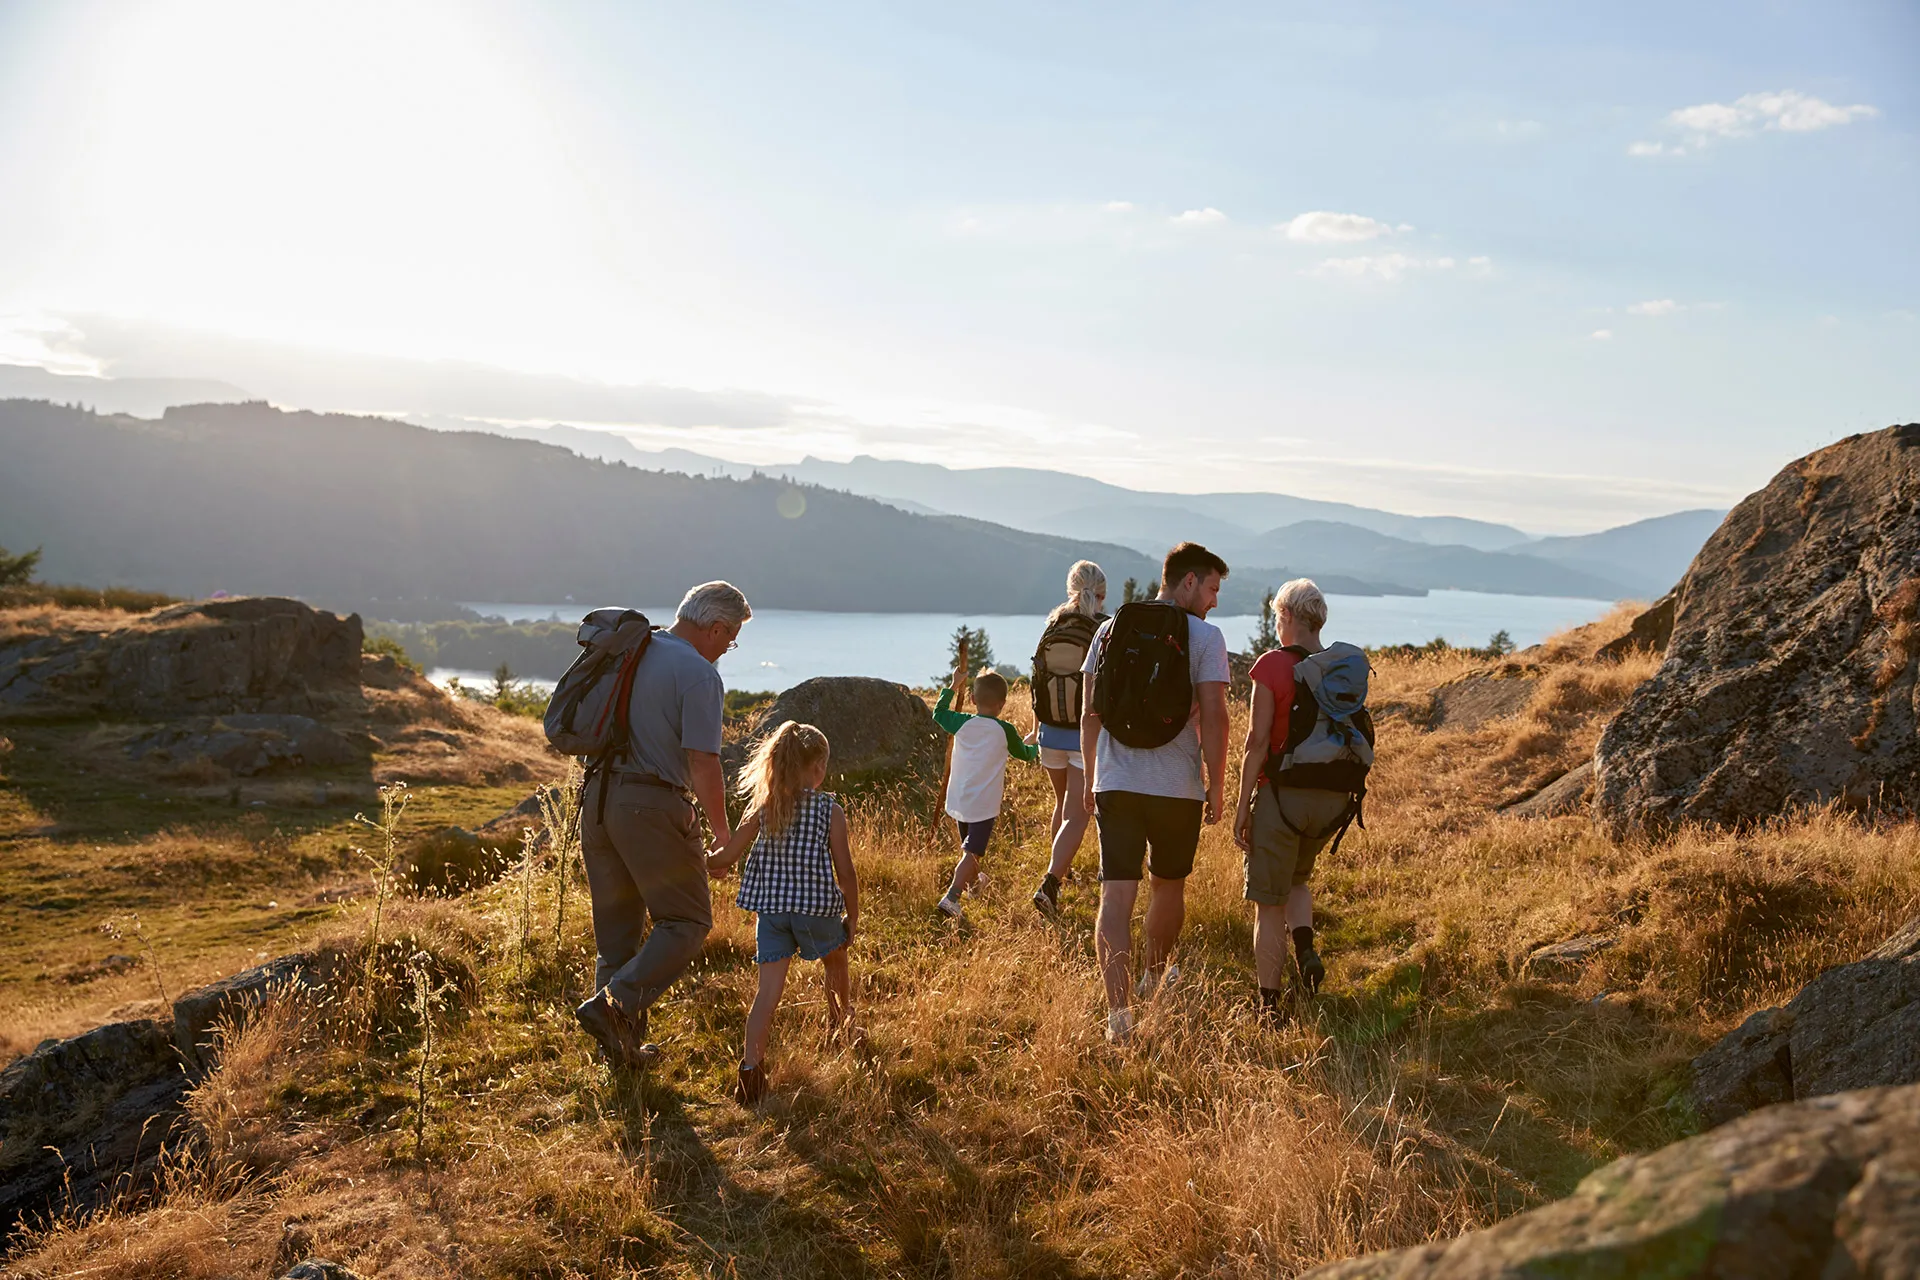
(1348, 816)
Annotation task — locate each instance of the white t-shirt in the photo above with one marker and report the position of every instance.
(1174, 769)
(979, 776)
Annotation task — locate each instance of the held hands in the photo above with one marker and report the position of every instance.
(718, 864)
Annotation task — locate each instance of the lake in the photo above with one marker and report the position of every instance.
(782, 647)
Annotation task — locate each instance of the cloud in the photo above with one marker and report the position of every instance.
(1601, 335)
(1199, 217)
(1321, 227)
(1390, 266)
(1785, 111)
(1519, 129)
(1119, 206)
(1655, 307)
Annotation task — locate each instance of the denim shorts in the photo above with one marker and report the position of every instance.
(974, 835)
(781, 934)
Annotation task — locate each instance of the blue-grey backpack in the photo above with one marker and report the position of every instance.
(588, 713)
(1330, 736)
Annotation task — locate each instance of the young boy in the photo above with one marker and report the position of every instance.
(981, 745)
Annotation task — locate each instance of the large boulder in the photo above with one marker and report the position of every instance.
(1789, 675)
(213, 657)
(1824, 1189)
(246, 745)
(880, 731)
(1853, 1026)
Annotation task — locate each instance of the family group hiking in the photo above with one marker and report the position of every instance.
(1131, 716)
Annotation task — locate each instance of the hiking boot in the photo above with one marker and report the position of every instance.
(1119, 1026)
(1313, 971)
(752, 1085)
(1151, 981)
(950, 907)
(1276, 1007)
(639, 1051)
(1046, 899)
(599, 1019)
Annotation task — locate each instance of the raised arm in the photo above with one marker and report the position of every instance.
(945, 716)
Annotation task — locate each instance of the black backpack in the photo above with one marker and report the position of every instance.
(1143, 683)
(1058, 683)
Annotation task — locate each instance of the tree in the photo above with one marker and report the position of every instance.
(979, 654)
(1500, 645)
(1266, 637)
(1131, 590)
(17, 571)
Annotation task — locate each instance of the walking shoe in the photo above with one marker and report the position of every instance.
(596, 1017)
(1151, 981)
(950, 907)
(1119, 1026)
(1276, 1006)
(752, 1085)
(1313, 971)
(979, 884)
(1047, 897)
(640, 1051)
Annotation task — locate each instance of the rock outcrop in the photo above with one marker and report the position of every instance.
(880, 731)
(1853, 1026)
(210, 658)
(1565, 794)
(1789, 677)
(247, 745)
(1821, 1189)
(1651, 630)
(1471, 701)
(79, 1116)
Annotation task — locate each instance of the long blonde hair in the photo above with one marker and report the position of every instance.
(1086, 583)
(777, 772)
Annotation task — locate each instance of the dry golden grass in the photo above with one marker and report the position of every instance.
(986, 1129)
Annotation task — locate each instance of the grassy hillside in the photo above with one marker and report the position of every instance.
(986, 1129)
(246, 498)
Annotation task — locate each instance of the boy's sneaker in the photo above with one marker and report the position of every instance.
(752, 1085)
(979, 884)
(1119, 1026)
(1151, 981)
(1047, 897)
(950, 907)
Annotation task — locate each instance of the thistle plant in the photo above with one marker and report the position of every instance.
(425, 1000)
(393, 806)
(112, 929)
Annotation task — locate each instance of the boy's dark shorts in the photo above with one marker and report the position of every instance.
(974, 835)
(1131, 822)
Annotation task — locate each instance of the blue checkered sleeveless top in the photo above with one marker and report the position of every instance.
(792, 870)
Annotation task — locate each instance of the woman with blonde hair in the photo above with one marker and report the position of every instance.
(1058, 698)
(799, 881)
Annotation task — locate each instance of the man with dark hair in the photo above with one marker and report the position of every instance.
(1156, 797)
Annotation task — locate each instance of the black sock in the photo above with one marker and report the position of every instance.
(1051, 881)
(1270, 997)
(1302, 940)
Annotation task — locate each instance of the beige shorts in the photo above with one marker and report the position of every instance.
(1059, 758)
(1280, 860)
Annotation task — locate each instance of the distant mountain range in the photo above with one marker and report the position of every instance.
(1286, 536)
(146, 397)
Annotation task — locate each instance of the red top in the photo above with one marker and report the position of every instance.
(1274, 669)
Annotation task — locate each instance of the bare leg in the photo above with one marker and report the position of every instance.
(964, 874)
(773, 980)
(1270, 944)
(839, 990)
(1300, 907)
(1058, 777)
(1113, 938)
(1070, 829)
(1166, 913)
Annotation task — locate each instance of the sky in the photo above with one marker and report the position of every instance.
(1551, 264)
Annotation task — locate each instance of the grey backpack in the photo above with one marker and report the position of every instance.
(1330, 734)
(587, 715)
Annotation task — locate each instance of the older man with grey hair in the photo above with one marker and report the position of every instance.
(645, 857)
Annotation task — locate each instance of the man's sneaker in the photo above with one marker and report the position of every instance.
(1151, 981)
(752, 1085)
(1047, 897)
(1313, 971)
(950, 907)
(1119, 1026)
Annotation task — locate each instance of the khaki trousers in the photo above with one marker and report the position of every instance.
(644, 863)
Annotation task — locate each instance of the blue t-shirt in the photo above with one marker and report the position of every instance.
(678, 705)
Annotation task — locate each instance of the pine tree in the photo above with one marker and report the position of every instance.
(1268, 636)
(17, 571)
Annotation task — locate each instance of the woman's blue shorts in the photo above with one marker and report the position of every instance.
(781, 934)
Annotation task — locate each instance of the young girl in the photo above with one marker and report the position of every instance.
(798, 879)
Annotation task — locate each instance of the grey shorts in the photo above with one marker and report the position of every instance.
(1280, 859)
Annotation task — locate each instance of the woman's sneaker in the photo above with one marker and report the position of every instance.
(1046, 899)
(1119, 1026)
(1151, 982)
(752, 1085)
(950, 907)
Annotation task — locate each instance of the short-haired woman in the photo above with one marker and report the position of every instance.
(1271, 825)
(1060, 745)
